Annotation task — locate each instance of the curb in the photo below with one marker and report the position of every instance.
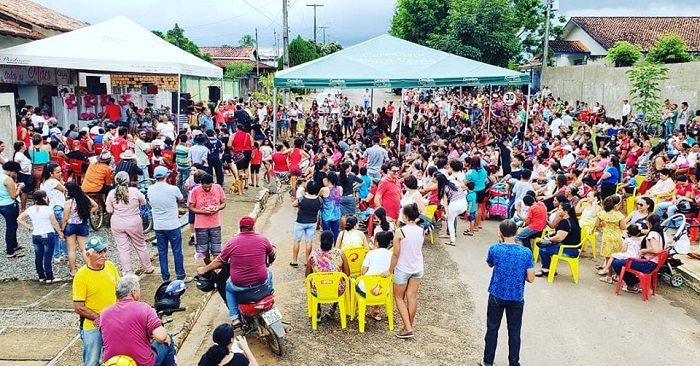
(181, 334)
(691, 279)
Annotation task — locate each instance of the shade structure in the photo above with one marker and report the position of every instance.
(390, 62)
(115, 45)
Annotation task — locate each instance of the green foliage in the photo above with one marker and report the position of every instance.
(645, 79)
(624, 53)
(301, 51)
(483, 30)
(226, 46)
(328, 48)
(414, 20)
(237, 69)
(268, 81)
(669, 48)
(176, 36)
(247, 41)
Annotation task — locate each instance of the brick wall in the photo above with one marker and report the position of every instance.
(166, 82)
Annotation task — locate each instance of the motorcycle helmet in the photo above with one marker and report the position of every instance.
(206, 282)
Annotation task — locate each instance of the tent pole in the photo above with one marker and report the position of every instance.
(274, 117)
(177, 112)
(527, 104)
(488, 128)
(401, 120)
(371, 101)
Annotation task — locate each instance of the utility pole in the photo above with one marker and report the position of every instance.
(285, 43)
(324, 33)
(257, 55)
(315, 6)
(177, 35)
(545, 53)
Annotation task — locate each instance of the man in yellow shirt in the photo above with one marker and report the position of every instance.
(94, 289)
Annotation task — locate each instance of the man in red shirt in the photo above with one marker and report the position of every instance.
(119, 144)
(390, 110)
(389, 193)
(535, 221)
(633, 154)
(252, 254)
(112, 112)
(128, 325)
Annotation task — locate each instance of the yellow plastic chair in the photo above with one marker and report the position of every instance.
(355, 258)
(430, 213)
(533, 243)
(385, 296)
(573, 261)
(327, 285)
(589, 231)
(657, 198)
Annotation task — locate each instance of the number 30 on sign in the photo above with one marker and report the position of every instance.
(509, 98)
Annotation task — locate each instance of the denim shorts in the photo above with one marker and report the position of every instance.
(401, 278)
(77, 229)
(304, 230)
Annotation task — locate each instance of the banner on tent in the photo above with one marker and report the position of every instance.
(33, 75)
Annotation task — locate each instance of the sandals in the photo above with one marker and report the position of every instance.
(295, 265)
(542, 273)
(606, 279)
(236, 323)
(443, 236)
(632, 290)
(374, 316)
(404, 335)
(602, 272)
(467, 233)
(55, 280)
(451, 243)
(14, 255)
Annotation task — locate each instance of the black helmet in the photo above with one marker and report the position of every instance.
(206, 282)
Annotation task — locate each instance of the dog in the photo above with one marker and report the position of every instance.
(238, 185)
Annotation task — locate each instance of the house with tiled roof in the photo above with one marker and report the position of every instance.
(222, 56)
(23, 21)
(586, 40)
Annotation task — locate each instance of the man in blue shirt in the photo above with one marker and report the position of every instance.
(512, 265)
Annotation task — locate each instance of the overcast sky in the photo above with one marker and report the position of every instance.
(217, 22)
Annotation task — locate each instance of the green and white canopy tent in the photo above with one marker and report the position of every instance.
(390, 62)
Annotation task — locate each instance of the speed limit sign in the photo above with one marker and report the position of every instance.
(509, 98)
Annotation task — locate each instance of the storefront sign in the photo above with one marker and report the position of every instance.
(33, 75)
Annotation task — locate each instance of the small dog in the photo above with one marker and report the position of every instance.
(238, 185)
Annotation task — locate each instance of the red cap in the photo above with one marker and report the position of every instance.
(246, 221)
(583, 152)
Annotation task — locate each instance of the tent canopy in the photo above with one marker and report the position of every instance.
(390, 62)
(115, 45)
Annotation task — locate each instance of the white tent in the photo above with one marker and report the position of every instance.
(115, 45)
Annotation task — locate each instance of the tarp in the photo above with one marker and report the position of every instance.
(390, 62)
(115, 45)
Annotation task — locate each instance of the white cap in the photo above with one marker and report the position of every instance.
(86, 129)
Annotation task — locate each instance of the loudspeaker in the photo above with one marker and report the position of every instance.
(214, 93)
(94, 87)
(184, 101)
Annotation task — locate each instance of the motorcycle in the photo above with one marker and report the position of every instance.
(259, 315)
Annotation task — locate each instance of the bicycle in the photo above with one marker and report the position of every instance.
(146, 212)
(652, 128)
(97, 217)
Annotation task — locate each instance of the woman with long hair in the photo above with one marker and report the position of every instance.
(124, 203)
(308, 206)
(25, 173)
(330, 212)
(348, 181)
(478, 175)
(455, 200)
(9, 190)
(227, 350)
(52, 183)
(610, 178)
(351, 237)
(45, 232)
(567, 232)
(653, 243)
(657, 161)
(77, 211)
(381, 223)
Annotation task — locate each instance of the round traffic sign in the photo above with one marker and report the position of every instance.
(509, 98)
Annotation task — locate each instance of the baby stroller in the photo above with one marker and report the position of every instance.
(167, 298)
(497, 205)
(676, 236)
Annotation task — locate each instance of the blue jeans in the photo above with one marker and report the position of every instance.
(10, 213)
(630, 279)
(231, 290)
(165, 353)
(525, 235)
(182, 176)
(494, 315)
(546, 254)
(668, 130)
(671, 210)
(174, 237)
(366, 104)
(333, 226)
(92, 347)
(60, 249)
(144, 169)
(374, 175)
(43, 253)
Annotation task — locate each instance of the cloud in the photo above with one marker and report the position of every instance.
(679, 8)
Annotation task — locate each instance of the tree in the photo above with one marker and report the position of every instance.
(176, 36)
(414, 20)
(237, 69)
(484, 30)
(624, 53)
(328, 48)
(226, 46)
(301, 51)
(645, 79)
(247, 41)
(669, 48)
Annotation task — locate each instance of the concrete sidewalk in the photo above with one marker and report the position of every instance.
(690, 270)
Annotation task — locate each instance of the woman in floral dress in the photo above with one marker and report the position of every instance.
(610, 220)
(327, 258)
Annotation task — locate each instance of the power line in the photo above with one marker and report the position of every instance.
(261, 13)
(230, 18)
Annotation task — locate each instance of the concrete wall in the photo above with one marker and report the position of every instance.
(7, 121)
(609, 85)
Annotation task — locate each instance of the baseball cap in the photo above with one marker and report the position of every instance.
(246, 221)
(96, 243)
(160, 172)
(583, 152)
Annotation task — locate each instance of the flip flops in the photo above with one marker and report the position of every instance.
(631, 290)
(374, 316)
(14, 255)
(404, 335)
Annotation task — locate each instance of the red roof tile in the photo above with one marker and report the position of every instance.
(15, 30)
(642, 31)
(230, 52)
(568, 47)
(44, 17)
(222, 63)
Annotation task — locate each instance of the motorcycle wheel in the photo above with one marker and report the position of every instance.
(273, 341)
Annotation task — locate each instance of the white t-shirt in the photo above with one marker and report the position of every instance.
(95, 130)
(56, 197)
(567, 120)
(166, 129)
(24, 163)
(163, 199)
(41, 219)
(377, 261)
(36, 119)
(556, 125)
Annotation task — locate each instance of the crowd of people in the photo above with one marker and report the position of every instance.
(569, 169)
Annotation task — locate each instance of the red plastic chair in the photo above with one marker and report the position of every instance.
(646, 280)
(97, 148)
(76, 167)
(65, 167)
